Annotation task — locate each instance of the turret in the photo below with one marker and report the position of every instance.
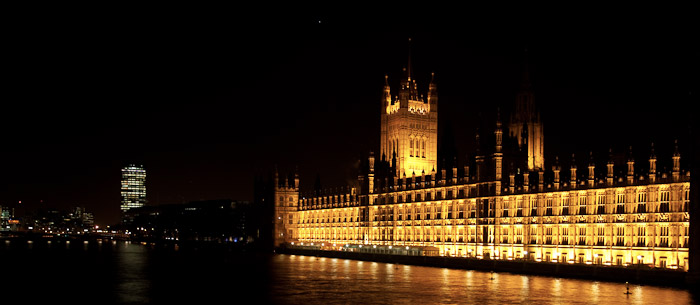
(432, 93)
(387, 92)
(498, 155)
(443, 175)
(370, 175)
(526, 181)
(454, 171)
(296, 179)
(479, 157)
(557, 170)
(511, 184)
(466, 170)
(630, 168)
(611, 174)
(591, 171)
(573, 171)
(652, 165)
(676, 163)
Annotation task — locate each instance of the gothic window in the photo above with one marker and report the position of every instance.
(664, 204)
(582, 235)
(504, 207)
(641, 202)
(620, 203)
(423, 148)
(600, 201)
(533, 235)
(601, 236)
(582, 205)
(641, 236)
(565, 236)
(664, 237)
(411, 147)
(519, 212)
(620, 236)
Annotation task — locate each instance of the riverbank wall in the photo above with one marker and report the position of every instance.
(631, 274)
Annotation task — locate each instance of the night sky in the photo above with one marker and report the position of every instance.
(207, 101)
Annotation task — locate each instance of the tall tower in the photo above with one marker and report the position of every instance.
(133, 189)
(525, 123)
(409, 126)
(286, 202)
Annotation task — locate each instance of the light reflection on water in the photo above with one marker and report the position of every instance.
(125, 273)
(308, 280)
(133, 284)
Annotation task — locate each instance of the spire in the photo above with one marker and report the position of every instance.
(591, 170)
(498, 117)
(675, 151)
(478, 142)
(387, 91)
(630, 168)
(408, 73)
(556, 169)
(652, 165)
(676, 162)
(526, 85)
(611, 165)
(498, 132)
(296, 177)
(432, 91)
(525, 100)
(574, 179)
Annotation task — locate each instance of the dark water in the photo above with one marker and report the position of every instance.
(124, 273)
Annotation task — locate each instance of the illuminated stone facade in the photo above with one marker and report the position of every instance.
(482, 213)
(526, 125)
(409, 127)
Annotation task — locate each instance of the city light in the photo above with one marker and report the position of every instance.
(133, 190)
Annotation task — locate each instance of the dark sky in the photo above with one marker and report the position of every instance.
(208, 98)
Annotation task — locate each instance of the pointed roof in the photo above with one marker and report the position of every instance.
(526, 84)
(409, 59)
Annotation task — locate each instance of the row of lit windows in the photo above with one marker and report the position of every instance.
(548, 236)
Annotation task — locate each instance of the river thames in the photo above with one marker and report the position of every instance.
(125, 273)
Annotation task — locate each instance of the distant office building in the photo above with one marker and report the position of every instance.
(81, 216)
(73, 221)
(133, 187)
(7, 221)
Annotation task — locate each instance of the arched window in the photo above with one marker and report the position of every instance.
(423, 148)
(411, 147)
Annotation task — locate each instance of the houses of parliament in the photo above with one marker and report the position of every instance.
(501, 204)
